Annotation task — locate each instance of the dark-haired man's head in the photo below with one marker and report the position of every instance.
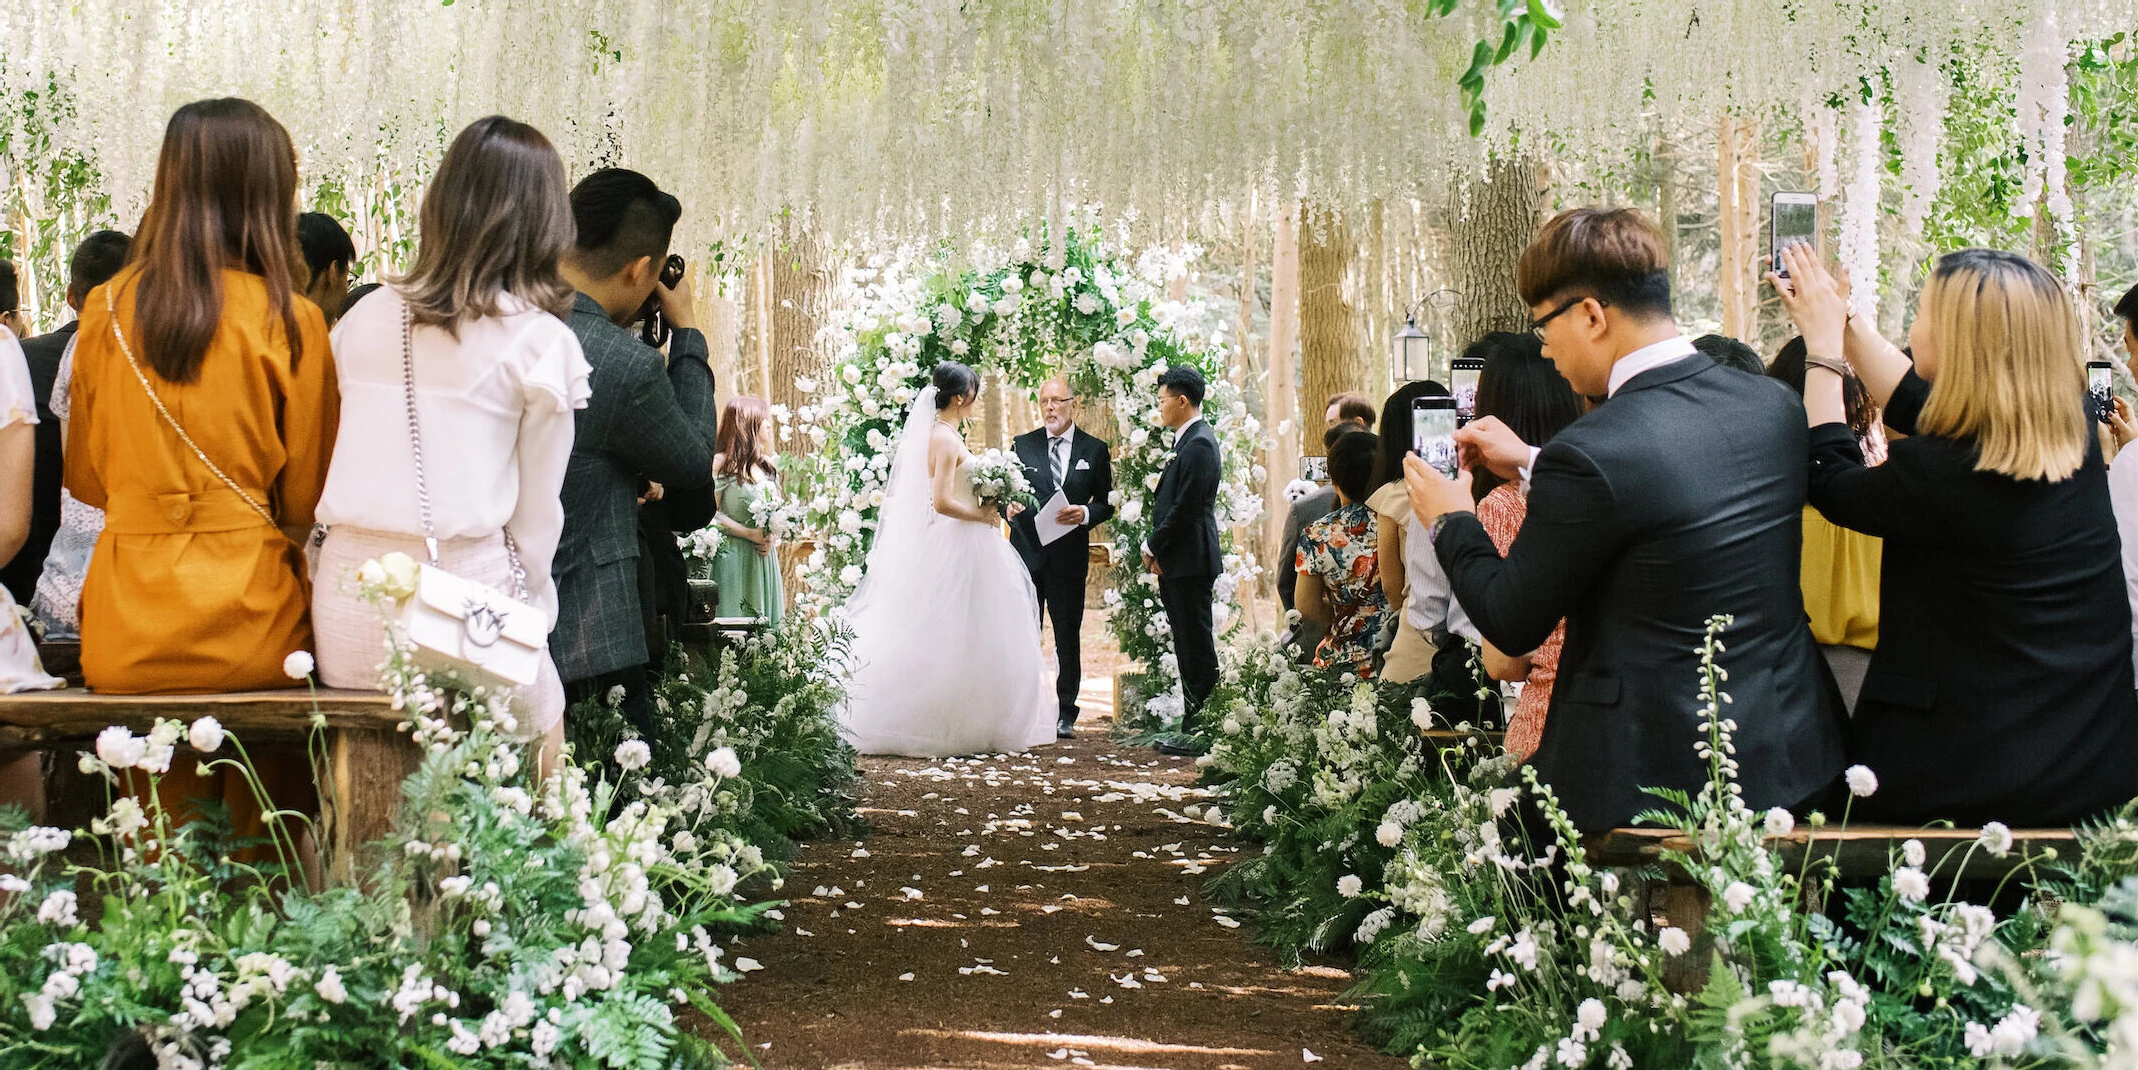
(624, 223)
(11, 316)
(1351, 409)
(95, 261)
(328, 255)
(1180, 395)
(1730, 353)
(1597, 284)
(2127, 308)
(1351, 463)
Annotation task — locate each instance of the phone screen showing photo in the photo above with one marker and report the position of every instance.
(2100, 382)
(1432, 433)
(1463, 381)
(1794, 224)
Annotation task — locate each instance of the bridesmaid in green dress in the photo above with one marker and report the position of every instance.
(744, 566)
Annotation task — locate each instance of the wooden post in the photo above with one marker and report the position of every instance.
(1328, 321)
(1279, 395)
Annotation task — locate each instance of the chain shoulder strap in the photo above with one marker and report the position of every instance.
(415, 448)
(111, 306)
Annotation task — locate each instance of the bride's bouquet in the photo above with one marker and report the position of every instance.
(998, 481)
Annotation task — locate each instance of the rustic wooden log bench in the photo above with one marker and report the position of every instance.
(365, 757)
(1856, 851)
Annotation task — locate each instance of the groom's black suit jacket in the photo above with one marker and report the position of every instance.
(1089, 482)
(1184, 512)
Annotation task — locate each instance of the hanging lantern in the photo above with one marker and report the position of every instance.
(1413, 351)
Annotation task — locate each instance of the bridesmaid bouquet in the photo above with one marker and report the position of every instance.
(998, 481)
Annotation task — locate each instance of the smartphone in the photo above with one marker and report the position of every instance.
(1432, 432)
(1793, 220)
(1463, 379)
(2101, 383)
(653, 327)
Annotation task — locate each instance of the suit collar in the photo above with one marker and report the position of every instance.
(1664, 375)
(584, 305)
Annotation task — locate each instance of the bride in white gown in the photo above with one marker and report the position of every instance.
(945, 657)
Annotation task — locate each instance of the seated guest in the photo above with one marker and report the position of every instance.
(2123, 472)
(1521, 389)
(1339, 582)
(2002, 684)
(1667, 504)
(650, 420)
(21, 779)
(204, 410)
(744, 476)
(1409, 653)
(1840, 566)
(1730, 353)
(57, 582)
(1309, 508)
(16, 322)
(498, 377)
(328, 256)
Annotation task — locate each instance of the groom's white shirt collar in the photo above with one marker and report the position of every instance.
(1192, 421)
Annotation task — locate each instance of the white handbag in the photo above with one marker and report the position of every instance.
(456, 625)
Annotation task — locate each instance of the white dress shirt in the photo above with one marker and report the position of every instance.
(1645, 359)
(496, 413)
(2123, 499)
(1430, 603)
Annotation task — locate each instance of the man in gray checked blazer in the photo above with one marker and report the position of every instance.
(649, 420)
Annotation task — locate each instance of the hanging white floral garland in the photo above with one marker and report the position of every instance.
(1860, 207)
(2043, 106)
(1037, 309)
(1920, 91)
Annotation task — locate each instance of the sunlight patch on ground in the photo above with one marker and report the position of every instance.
(1122, 1044)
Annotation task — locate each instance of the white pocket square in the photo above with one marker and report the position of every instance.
(1083, 466)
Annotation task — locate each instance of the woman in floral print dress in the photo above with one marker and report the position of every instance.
(1339, 569)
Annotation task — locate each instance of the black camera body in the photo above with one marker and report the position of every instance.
(653, 327)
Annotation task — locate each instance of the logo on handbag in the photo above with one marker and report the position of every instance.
(484, 624)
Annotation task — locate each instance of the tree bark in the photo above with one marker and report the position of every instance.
(800, 278)
(1504, 212)
(1329, 357)
(1737, 188)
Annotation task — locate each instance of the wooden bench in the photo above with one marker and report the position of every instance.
(1856, 851)
(366, 756)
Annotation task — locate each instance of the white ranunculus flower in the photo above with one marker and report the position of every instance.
(1087, 304)
(1673, 940)
(1861, 781)
(1125, 316)
(370, 574)
(1388, 834)
(1132, 511)
(119, 748)
(724, 762)
(1910, 884)
(298, 666)
(1349, 885)
(1996, 839)
(402, 572)
(206, 735)
(960, 347)
(329, 986)
(851, 375)
(976, 303)
(633, 754)
(1738, 896)
(1780, 822)
(1591, 1016)
(850, 575)
(1912, 852)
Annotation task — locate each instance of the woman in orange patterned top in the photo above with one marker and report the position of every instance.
(1527, 393)
(1339, 573)
(204, 409)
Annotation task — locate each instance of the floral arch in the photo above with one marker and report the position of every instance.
(1077, 308)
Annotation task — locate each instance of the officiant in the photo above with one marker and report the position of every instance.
(1072, 474)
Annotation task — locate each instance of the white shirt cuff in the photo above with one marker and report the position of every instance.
(1525, 469)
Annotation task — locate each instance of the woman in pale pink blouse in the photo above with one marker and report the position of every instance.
(1527, 393)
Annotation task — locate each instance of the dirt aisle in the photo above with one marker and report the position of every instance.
(1037, 911)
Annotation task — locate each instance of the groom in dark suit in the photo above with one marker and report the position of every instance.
(1058, 457)
(1182, 550)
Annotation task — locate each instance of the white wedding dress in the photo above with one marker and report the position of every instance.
(945, 656)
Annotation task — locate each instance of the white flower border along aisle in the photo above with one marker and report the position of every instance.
(1076, 309)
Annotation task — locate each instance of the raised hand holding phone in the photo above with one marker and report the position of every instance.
(1488, 442)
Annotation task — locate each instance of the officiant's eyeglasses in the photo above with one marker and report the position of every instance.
(1070, 400)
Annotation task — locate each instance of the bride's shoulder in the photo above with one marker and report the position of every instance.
(946, 438)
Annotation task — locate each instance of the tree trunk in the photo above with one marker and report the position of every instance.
(1504, 211)
(1279, 391)
(1737, 188)
(801, 278)
(1329, 358)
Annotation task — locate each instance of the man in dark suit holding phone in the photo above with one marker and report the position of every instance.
(1678, 498)
(1060, 458)
(1182, 550)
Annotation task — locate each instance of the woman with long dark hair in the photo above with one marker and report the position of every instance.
(1526, 392)
(744, 477)
(476, 331)
(204, 410)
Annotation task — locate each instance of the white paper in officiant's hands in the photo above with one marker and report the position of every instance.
(1049, 528)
